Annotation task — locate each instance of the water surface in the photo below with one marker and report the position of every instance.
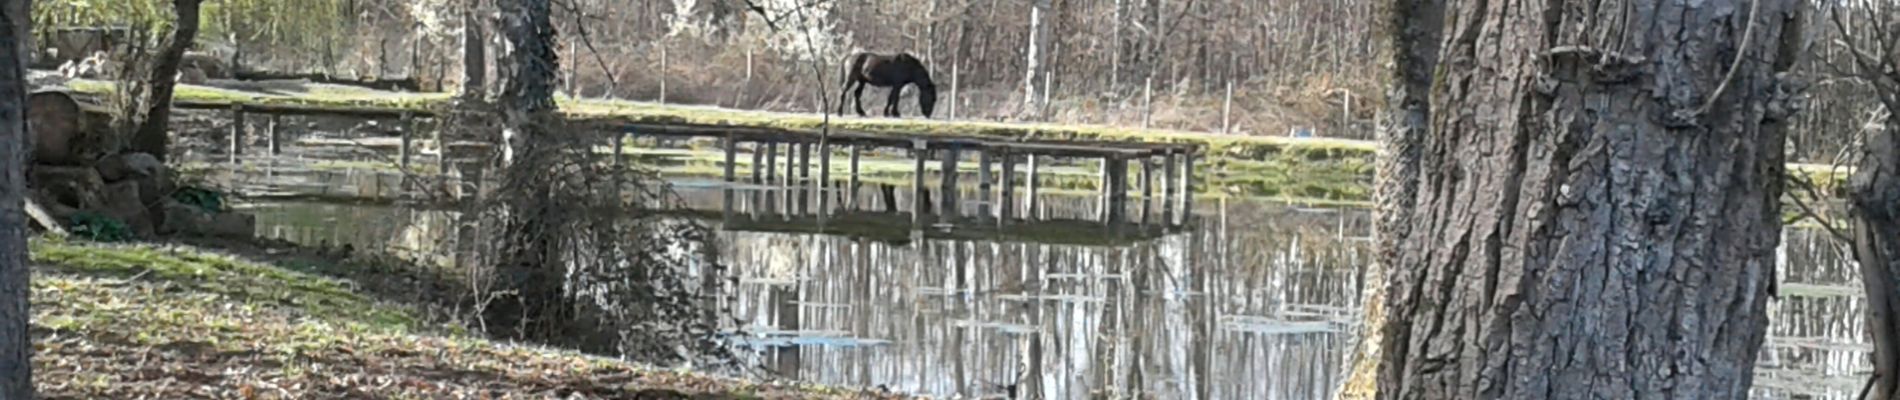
(1248, 300)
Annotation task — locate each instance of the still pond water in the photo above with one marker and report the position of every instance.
(1252, 300)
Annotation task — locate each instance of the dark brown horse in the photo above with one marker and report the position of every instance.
(889, 71)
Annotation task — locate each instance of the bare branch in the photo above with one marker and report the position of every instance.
(1818, 213)
(580, 27)
(761, 11)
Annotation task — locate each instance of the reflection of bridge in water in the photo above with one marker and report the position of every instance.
(996, 175)
(884, 218)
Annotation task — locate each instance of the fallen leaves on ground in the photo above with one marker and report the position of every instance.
(103, 336)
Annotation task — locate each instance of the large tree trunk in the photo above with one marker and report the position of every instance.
(152, 137)
(1596, 202)
(528, 67)
(16, 345)
(1875, 196)
(1412, 29)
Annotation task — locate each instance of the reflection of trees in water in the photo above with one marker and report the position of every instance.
(1207, 312)
(624, 281)
(584, 260)
(1173, 316)
(1817, 342)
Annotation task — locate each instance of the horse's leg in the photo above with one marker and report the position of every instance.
(890, 106)
(845, 93)
(859, 98)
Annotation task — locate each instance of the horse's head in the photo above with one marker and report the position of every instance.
(926, 98)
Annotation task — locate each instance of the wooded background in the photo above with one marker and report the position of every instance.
(1292, 64)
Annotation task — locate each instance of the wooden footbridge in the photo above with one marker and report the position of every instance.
(1166, 169)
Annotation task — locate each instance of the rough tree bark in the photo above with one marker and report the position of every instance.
(1874, 192)
(474, 52)
(152, 137)
(527, 69)
(1412, 29)
(1874, 189)
(1595, 210)
(16, 345)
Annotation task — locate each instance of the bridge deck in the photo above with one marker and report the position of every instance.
(1174, 161)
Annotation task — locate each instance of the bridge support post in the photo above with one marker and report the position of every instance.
(804, 163)
(856, 150)
(920, 151)
(237, 134)
(888, 193)
(771, 162)
(1147, 187)
(732, 160)
(1187, 188)
(1117, 189)
(984, 160)
(824, 180)
(1104, 187)
(1006, 206)
(758, 163)
(441, 146)
(725, 215)
(620, 144)
(791, 165)
(271, 130)
(948, 208)
(824, 166)
(1168, 175)
(1034, 182)
(408, 126)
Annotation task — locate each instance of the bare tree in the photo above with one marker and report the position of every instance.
(1864, 33)
(1038, 49)
(152, 136)
(16, 345)
(1595, 220)
(528, 68)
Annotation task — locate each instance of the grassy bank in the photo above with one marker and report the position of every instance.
(177, 321)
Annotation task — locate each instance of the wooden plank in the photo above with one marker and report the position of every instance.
(900, 140)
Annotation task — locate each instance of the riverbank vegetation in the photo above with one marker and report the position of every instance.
(246, 320)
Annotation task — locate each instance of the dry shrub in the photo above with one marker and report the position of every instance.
(570, 250)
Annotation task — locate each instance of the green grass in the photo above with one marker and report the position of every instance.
(227, 277)
(176, 321)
